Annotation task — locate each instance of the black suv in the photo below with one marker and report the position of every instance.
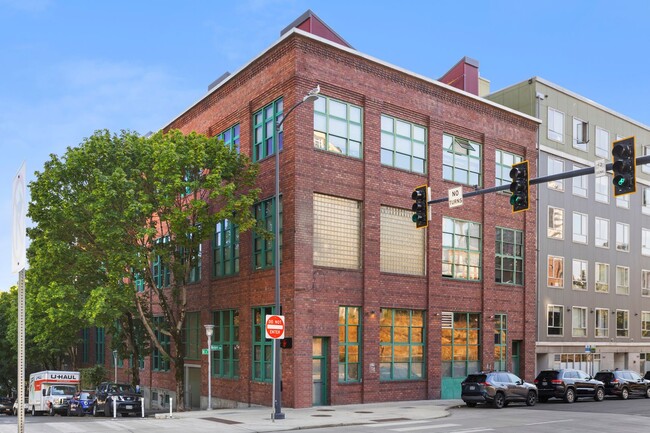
(568, 385)
(624, 383)
(7, 405)
(498, 388)
(127, 400)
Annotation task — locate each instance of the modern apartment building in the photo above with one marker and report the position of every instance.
(596, 315)
(376, 309)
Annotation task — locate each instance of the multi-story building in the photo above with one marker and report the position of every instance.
(377, 310)
(597, 315)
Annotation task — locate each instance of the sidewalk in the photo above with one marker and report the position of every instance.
(258, 418)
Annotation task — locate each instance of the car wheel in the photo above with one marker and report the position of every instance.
(33, 411)
(95, 410)
(499, 400)
(473, 403)
(625, 394)
(600, 394)
(50, 411)
(570, 395)
(531, 398)
(647, 392)
(67, 411)
(15, 411)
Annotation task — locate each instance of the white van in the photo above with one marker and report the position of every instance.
(49, 391)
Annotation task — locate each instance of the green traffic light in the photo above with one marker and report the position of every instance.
(621, 181)
(415, 218)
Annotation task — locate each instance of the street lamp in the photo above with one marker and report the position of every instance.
(208, 331)
(115, 363)
(311, 96)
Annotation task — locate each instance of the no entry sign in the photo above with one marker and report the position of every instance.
(274, 326)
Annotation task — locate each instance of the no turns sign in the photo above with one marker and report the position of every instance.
(274, 326)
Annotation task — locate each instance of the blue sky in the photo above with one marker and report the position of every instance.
(70, 67)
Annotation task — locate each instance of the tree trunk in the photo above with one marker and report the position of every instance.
(179, 373)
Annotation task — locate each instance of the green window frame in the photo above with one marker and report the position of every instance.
(401, 344)
(138, 281)
(403, 144)
(350, 344)
(195, 271)
(225, 249)
(461, 160)
(160, 270)
(264, 249)
(264, 130)
(461, 249)
(504, 162)
(500, 342)
(509, 257)
(85, 345)
(262, 362)
(158, 361)
(225, 362)
(338, 127)
(230, 137)
(100, 346)
(192, 335)
(460, 344)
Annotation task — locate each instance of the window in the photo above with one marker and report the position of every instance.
(225, 362)
(602, 322)
(555, 223)
(645, 324)
(160, 362)
(580, 134)
(645, 242)
(225, 249)
(500, 342)
(460, 344)
(555, 275)
(264, 249)
(579, 321)
(645, 283)
(555, 125)
(622, 323)
(555, 166)
(509, 259)
(192, 335)
(602, 277)
(554, 320)
(262, 347)
(622, 237)
(401, 344)
(461, 160)
(461, 249)
(138, 281)
(601, 192)
(602, 143)
(400, 239)
(100, 346)
(160, 270)
(622, 280)
(195, 260)
(579, 274)
(504, 163)
(264, 137)
(645, 198)
(403, 145)
(349, 344)
(646, 151)
(337, 232)
(623, 201)
(580, 183)
(230, 137)
(601, 227)
(337, 127)
(580, 230)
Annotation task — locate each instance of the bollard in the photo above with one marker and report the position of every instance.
(114, 408)
(170, 406)
(142, 405)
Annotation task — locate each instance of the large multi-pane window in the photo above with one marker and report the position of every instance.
(401, 344)
(555, 166)
(602, 143)
(461, 160)
(192, 335)
(264, 249)
(349, 344)
(337, 232)
(622, 280)
(580, 183)
(509, 256)
(580, 229)
(601, 190)
(645, 282)
(225, 362)
(138, 281)
(262, 361)
(579, 275)
(159, 362)
(555, 273)
(225, 249)
(403, 144)
(555, 320)
(230, 137)
(555, 229)
(160, 269)
(602, 322)
(400, 239)
(338, 127)
(623, 201)
(622, 237)
(500, 342)
(601, 228)
(602, 277)
(555, 125)
(195, 260)
(100, 345)
(645, 242)
(580, 134)
(504, 162)
(622, 323)
(579, 321)
(264, 136)
(461, 249)
(460, 344)
(645, 324)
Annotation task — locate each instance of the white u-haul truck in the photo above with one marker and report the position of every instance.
(49, 391)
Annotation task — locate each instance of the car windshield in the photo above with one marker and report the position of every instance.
(63, 390)
(547, 374)
(86, 396)
(604, 377)
(121, 387)
(476, 378)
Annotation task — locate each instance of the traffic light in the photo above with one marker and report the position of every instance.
(286, 343)
(624, 166)
(519, 186)
(421, 206)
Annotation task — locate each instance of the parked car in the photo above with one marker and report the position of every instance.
(6, 405)
(498, 388)
(81, 403)
(647, 375)
(624, 383)
(15, 407)
(569, 385)
(126, 399)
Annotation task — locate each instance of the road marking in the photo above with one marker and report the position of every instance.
(393, 424)
(473, 430)
(550, 422)
(429, 426)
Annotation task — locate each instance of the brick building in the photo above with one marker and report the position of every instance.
(377, 310)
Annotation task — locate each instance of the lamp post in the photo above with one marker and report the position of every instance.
(208, 331)
(115, 363)
(311, 96)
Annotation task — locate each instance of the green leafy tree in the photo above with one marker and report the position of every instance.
(119, 206)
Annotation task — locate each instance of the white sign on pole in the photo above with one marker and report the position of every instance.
(18, 250)
(600, 166)
(456, 197)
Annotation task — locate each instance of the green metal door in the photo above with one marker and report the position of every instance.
(516, 345)
(319, 371)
